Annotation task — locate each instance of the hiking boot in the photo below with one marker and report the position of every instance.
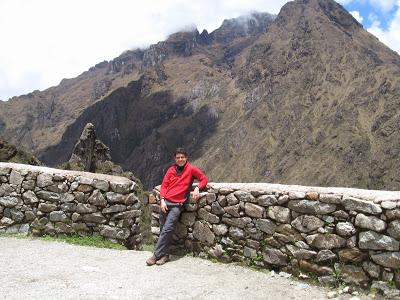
(162, 260)
(152, 260)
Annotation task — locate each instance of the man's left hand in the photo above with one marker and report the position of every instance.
(196, 193)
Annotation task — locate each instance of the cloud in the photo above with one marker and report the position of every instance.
(389, 36)
(27, 79)
(61, 39)
(384, 5)
(344, 2)
(357, 16)
(44, 41)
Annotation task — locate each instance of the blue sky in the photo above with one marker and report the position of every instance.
(44, 41)
(372, 11)
(379, 17)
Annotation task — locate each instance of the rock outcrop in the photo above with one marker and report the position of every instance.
(89, 153)
(92, 155)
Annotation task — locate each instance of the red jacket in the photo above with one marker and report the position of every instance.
(176, 187)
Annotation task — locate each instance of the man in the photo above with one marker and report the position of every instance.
(175, 189)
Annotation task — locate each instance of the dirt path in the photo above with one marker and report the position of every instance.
(35, 269)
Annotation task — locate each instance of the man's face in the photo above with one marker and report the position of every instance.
(180, 159)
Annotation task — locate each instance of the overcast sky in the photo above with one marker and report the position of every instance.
(44, 41)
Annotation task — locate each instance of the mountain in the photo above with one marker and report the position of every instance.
(305, 97)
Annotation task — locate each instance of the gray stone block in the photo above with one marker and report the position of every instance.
(311, 207)
(359, 205)
(375, 241)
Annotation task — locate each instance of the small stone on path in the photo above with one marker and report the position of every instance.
(331, 295)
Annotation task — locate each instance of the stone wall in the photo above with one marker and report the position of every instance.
(41, 200)
(337, 234)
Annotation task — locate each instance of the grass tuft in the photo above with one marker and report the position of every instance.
(91, 241)
(148, 247)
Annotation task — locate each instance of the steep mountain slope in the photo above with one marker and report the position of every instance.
(308, 97)
(38, 119)
(324, 100)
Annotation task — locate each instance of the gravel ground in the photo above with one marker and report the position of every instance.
(36, 269)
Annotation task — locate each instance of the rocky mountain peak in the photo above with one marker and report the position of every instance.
(231, 29)
(254, 23)
(88, 151)
(184, 42)
(317, 10)
(338, 15)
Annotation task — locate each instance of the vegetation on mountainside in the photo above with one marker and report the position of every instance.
(10, 153)
(307, 97)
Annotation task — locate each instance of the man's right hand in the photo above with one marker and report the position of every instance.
(164, 206)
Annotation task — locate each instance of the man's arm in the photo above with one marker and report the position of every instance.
(164, 185)
(203, 180)
(201, 177)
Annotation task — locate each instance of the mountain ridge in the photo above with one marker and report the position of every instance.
(312, 96)
(49, 106)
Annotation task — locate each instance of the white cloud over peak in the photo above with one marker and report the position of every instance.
(344, 2)
(357, 16)
(44, 41)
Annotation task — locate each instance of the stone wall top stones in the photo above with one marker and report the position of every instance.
(40, 169)
(376, 196)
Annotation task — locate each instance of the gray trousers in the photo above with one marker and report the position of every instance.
(168, 223)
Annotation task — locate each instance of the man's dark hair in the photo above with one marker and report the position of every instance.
(180, 151)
